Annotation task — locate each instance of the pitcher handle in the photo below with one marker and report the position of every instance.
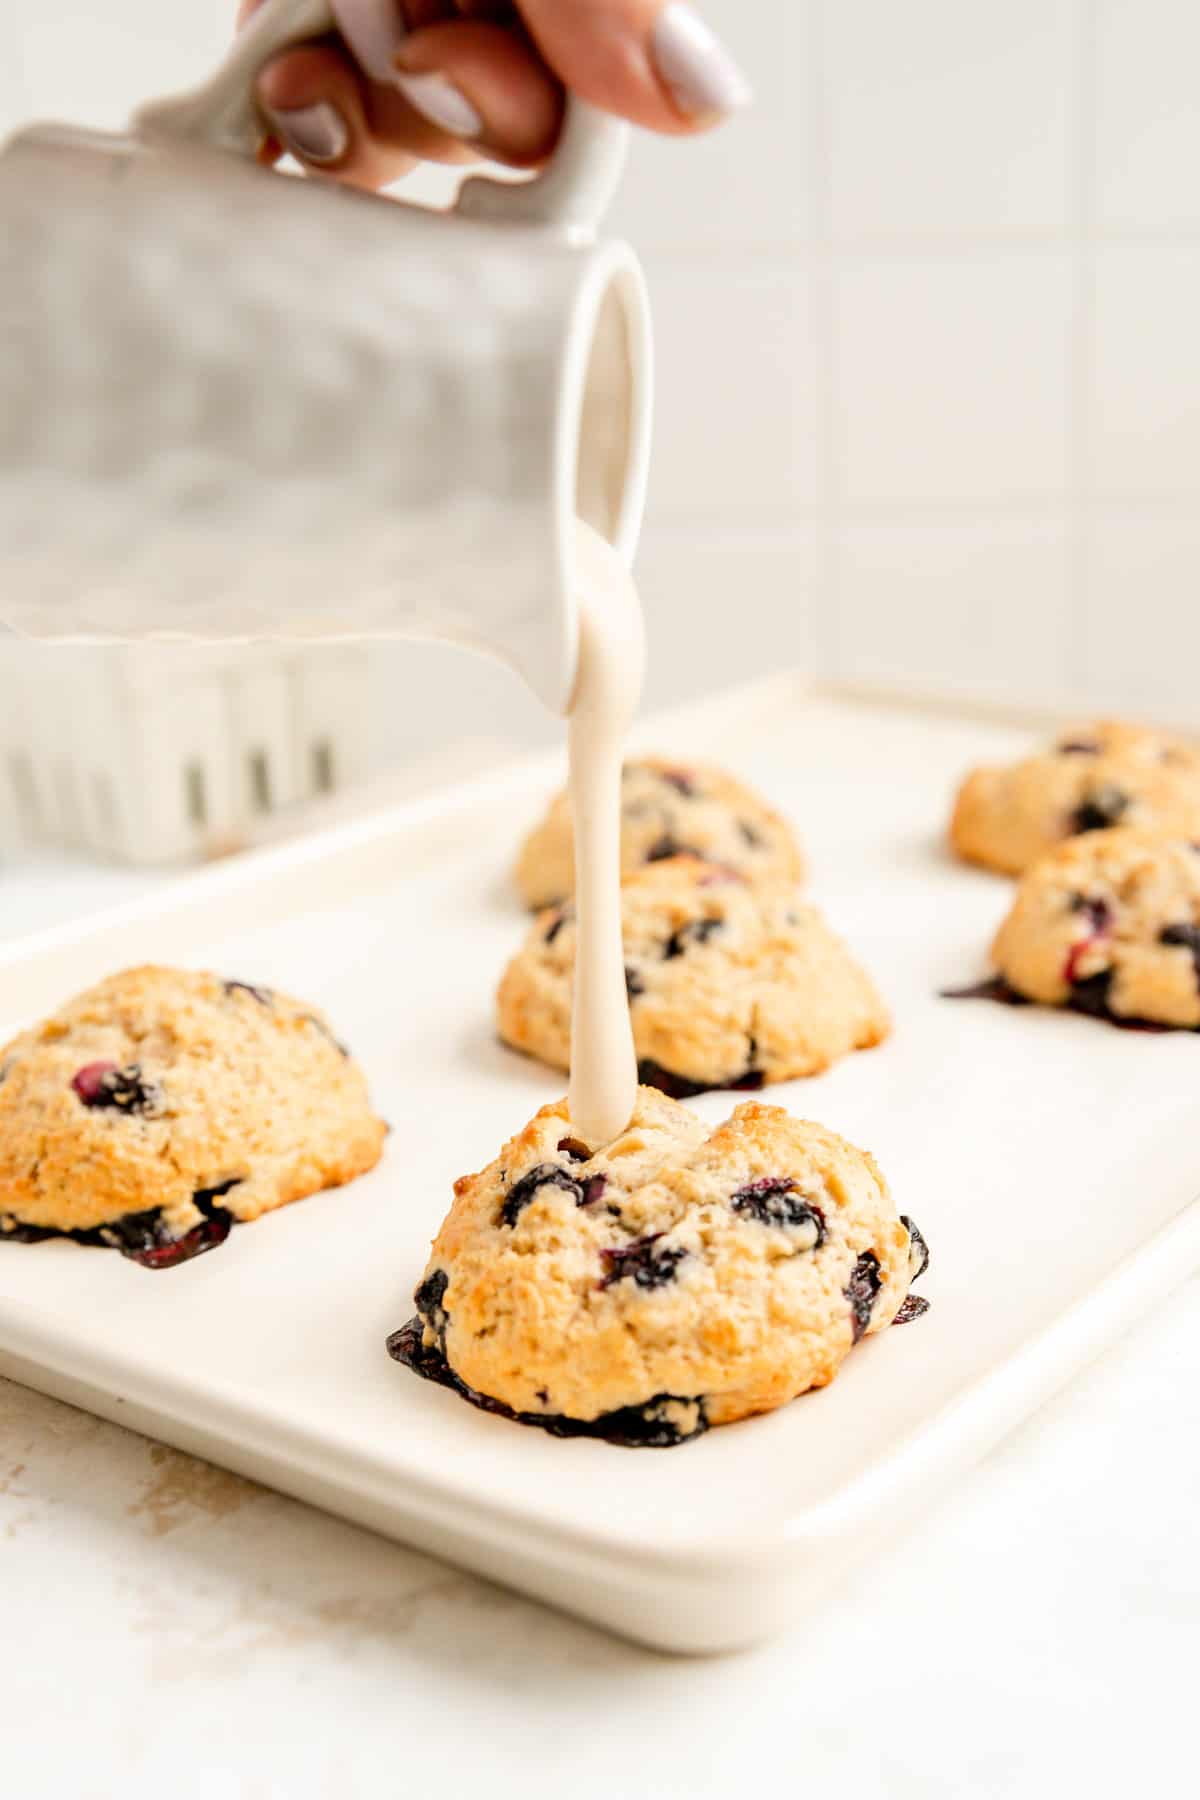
(571, 192)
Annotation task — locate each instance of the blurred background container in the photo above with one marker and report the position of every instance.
(929, 360)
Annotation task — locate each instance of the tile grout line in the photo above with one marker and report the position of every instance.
(1081, 370)
(827, 633)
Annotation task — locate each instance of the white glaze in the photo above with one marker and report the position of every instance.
(607, 689)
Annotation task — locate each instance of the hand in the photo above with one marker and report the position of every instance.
(456, 80)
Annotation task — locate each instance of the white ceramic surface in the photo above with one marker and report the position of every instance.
(1050, 1160)
(237, 405)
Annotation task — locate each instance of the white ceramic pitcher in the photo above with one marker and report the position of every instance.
(237, 404)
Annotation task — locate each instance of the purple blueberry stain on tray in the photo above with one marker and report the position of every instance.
(913, 1306)
(1089, 996)
(660, 1423)
(143, 1237)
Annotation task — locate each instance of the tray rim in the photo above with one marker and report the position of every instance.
(235, 1430)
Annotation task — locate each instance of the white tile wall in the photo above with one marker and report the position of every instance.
(929, 344)
(951, 377)
(950, 117)
(736, 426)
(750, 188)
(946, 607)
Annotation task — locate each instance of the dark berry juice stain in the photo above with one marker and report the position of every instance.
(1079, 747)
(1099, 916)
(918, 1246)
(646, 1427)
(643, 1262)
(681, 780)
(1105, 807)
(1089, 997)
(698, 932)
(994, 988)
(103, 1086)
(572, 1147)
(751, 836)
(1097, 910)
(681, 1087)
(264, 996)
(634, 985)
(774, 1201)
(320, 1025)
(143, 1236)
(431, 1304)
(862, 1292)
(1186, 937)
(665, 847)
(584, 1193)
(678, 1087)
(556, 924)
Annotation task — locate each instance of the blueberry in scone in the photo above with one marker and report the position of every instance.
(682, 1277)
(731, 984)
(667, 809)
(1095, 777)
(156, 1110)
(1109, 924)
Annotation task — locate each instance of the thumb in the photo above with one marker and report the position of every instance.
(656, 64)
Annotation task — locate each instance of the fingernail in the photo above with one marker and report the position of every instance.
(374, 30)
(316, 134)
(695, 65)
(439, 101)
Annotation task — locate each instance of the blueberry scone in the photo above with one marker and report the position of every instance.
(1109, 925)
(1095, 777)
(731, 984)
(682, 1277)
(667, 810)
(161, 1107)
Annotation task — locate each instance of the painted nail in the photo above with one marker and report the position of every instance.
(374, 30)
(693, 62)
(316, 134)
(439, 101)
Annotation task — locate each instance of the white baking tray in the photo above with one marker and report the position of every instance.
(1051, 1161)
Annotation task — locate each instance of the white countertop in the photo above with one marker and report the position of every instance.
(170, 1627)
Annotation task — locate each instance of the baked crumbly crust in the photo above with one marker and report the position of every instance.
(159, 1085)
(667, 808)
(1096, 776)
(731, 983)
(1112, 918)
(709, 1273)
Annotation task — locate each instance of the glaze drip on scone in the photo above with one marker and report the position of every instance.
(727, 1271)
(608, 686)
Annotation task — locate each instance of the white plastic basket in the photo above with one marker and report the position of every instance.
(165, 752)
